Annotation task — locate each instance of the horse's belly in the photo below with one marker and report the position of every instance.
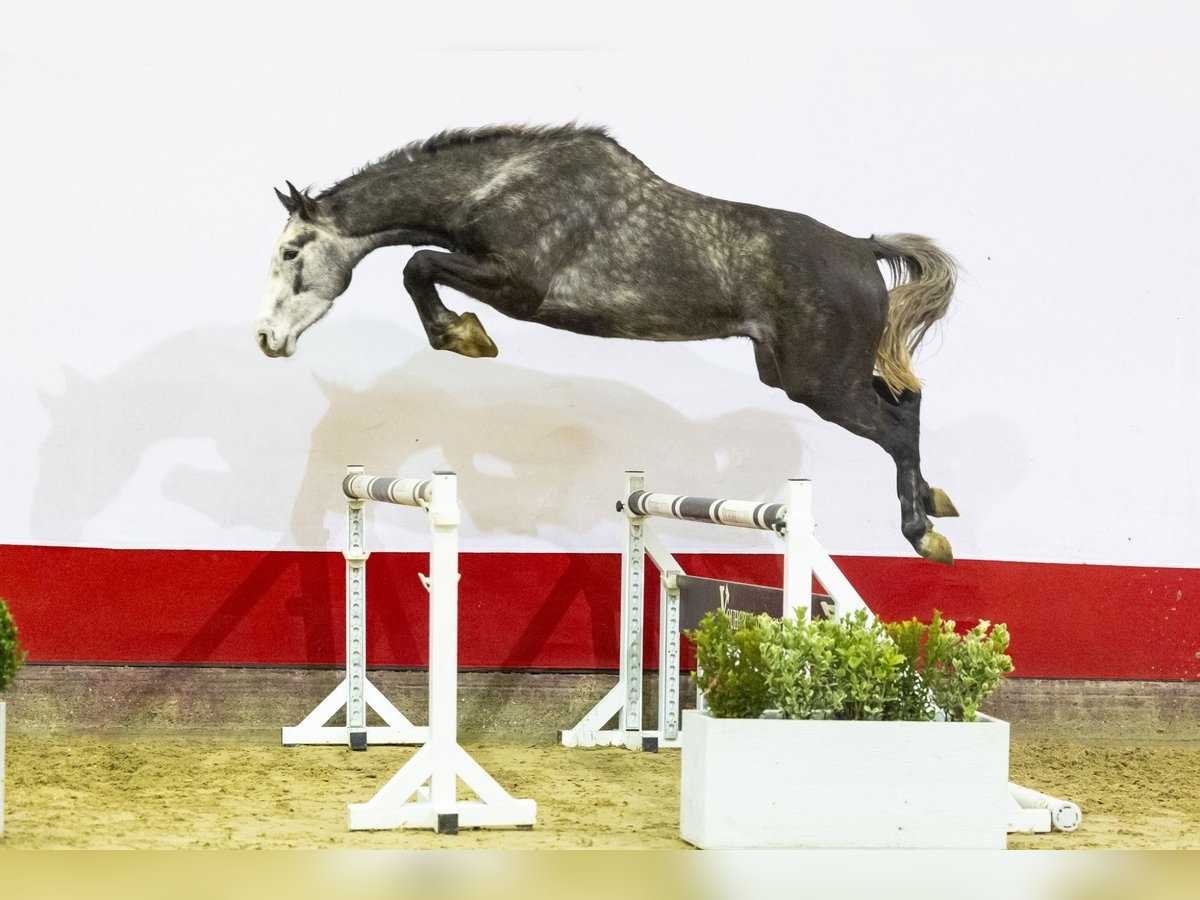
(602, 309)
(620, 314)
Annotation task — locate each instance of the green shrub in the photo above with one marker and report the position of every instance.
(833, 669)
(11, 655)
(854, 667)
(731, 665)
(913, 701)
(801, 672)
(963, 671)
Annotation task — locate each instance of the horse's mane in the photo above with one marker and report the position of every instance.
(463, 137)
(457, 137)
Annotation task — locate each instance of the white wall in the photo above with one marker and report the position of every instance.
(1054, 153)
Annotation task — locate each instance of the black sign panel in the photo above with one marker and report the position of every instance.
(698, 596)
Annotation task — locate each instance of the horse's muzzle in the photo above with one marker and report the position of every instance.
(267, 344)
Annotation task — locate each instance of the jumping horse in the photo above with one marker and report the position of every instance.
(564, 227)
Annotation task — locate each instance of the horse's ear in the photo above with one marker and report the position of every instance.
(286, 201)
(301, 203)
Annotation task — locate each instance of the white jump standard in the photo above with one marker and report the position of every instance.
(424, 793)
(355, 692)
(803, 558)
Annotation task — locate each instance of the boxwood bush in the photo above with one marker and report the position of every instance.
(853, 667)
(11, 655)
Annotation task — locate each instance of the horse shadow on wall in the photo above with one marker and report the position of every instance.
(537, 455)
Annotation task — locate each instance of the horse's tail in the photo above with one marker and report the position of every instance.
(923, 278)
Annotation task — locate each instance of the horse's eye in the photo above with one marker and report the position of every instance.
(290, 254)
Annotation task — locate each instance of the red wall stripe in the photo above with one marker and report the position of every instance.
(553, 610)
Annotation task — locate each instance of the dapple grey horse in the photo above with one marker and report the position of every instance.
(564, 227)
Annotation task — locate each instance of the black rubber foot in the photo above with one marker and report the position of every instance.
(649, 745)
(447, 823)
(358, 740)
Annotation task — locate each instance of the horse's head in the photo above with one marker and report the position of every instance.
(311, 267)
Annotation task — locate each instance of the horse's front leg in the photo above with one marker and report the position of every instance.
(483, 279)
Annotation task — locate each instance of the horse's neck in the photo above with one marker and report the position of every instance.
(415, 203)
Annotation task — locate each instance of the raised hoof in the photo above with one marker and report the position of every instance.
(935, 548)
(467, 337)
(940, 504)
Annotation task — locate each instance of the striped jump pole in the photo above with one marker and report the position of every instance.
(738, 513)
(402, 491)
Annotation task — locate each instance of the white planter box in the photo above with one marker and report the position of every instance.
(789, 783)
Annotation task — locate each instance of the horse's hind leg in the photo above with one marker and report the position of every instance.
(896, 426)
(936, 501)
(849, 399)
(483, 279)
(939, 504)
